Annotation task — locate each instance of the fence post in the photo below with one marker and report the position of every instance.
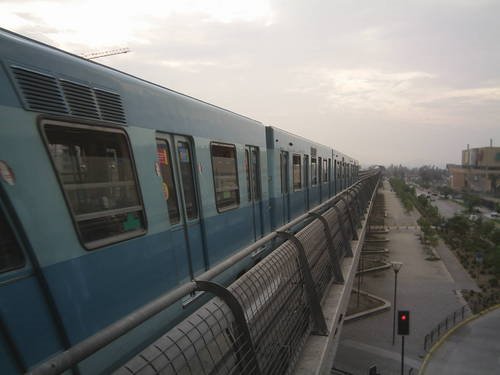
(349, 214)
(318, 318)
(334, 260)
(347, 242)
(246, 352)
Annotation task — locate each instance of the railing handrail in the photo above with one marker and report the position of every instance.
(85, 348)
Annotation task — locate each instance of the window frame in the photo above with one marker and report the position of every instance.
(107, 128)
(238, 196)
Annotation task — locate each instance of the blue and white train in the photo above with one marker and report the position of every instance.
(114, 190)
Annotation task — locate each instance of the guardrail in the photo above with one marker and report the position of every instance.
(449, 322)
(258, 324)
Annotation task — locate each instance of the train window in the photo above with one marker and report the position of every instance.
(306, 170)
(227, 190)
(320, 172)
(325, 170)
(168, 182)
(297, 175)
(11, 256)
(247, 170)
(314, 172)
(252, 171)
(255, 165)
(97, 175)
(284, 171)
(329, 171)
(186, 166)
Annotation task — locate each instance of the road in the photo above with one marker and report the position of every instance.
(426, 288)
(447, 208)
(472, 349)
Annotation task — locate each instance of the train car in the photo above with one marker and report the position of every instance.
(301, 175)
(114, 190)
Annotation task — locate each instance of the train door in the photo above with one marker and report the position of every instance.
(306, 181)
(175, 160)
(26, 309)
(285, 190)
(252, 166)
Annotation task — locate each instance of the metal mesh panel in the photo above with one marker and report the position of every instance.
(273, 299)
(276, 307)
(204, 343)
(315, 245)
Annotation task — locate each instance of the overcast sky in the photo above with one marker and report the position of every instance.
(409, 82)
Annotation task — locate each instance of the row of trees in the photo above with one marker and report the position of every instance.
(425, 176)
(475, 242)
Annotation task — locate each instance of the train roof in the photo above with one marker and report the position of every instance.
(338, 154)
(4, 33)
(148, 108)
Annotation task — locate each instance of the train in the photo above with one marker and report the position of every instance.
(115, 190)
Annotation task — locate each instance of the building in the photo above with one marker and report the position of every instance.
(479, 171)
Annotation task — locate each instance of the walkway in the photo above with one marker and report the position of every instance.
(474, 348)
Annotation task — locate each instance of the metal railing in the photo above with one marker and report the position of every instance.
(258, 324)
(446, 324)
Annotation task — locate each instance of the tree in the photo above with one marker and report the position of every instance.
(445, 190)
(471, 201)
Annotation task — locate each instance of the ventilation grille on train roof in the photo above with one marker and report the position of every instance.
(40, 92)
(110, 105)
(80, 99)
(44, 93)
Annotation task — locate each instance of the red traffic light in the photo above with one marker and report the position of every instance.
(403, 322)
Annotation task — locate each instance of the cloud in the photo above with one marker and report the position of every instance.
(340, 72)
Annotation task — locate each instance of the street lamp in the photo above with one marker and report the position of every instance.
(396, 266)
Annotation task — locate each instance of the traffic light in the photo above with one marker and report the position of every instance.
(403, 322)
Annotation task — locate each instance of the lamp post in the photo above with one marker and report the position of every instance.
(396, 266)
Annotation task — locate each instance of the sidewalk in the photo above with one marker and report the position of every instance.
(426, 288)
